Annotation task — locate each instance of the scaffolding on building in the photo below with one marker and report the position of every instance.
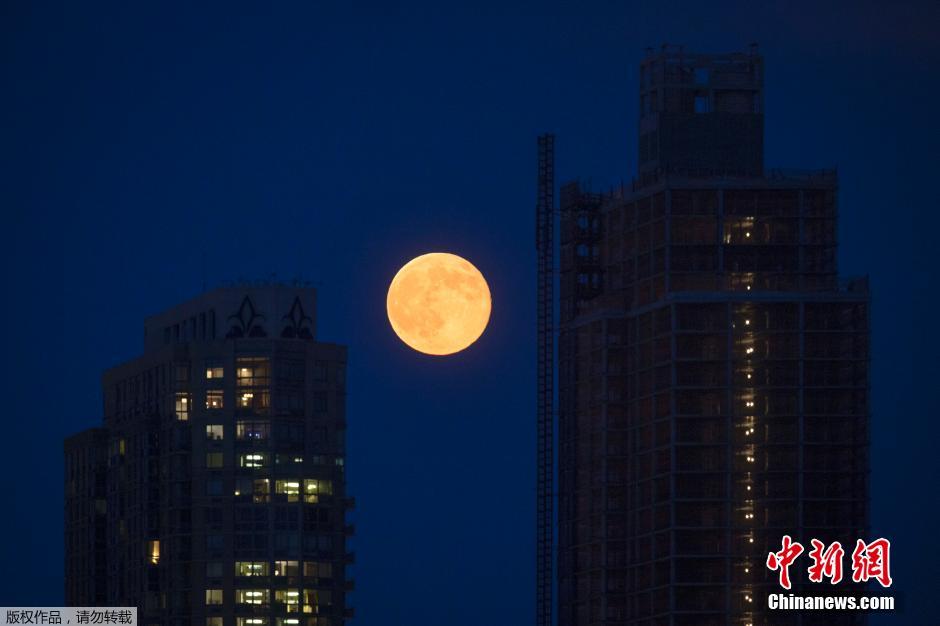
(545, 312)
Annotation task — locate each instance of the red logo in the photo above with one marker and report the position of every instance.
(782, 560)
(827, 562)
(869, 561)
(872, 561)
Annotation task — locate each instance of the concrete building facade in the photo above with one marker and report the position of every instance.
(713, 367)
(215, 492)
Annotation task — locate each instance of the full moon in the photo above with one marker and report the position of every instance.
(438, 303)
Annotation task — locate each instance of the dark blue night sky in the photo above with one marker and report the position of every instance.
(145, 147)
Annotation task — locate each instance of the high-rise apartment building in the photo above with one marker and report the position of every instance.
(713, 367)
(215, 491)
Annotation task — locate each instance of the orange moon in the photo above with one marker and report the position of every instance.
(438, 303)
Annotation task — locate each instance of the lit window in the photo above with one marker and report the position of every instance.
(290, 488)
(213, 596)
(253, 459)
(214, 621)
(290, 598)
(318, 569)
(251, 596)
(286, 568)
(153, 551)
(314, 487)
(258, 489)
(251, 621)
(214, 371)
(251, 568)
(253, 400)
(314, 598)
(287, 459)
(214, 460)
(289, 621)
(182, 406)
(214, 399)
(214, 432)
(254, 431)
(252, 371)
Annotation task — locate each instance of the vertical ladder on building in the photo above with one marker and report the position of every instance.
(545, 358)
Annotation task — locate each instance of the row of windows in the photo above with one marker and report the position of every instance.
(251, 400)
(257, 430)
(254, 371)
(288, 542)
(308, 569)
(295, 600)
(264, 621)
(253, 460)
(259, 489)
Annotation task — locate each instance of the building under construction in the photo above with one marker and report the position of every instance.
(712, 368)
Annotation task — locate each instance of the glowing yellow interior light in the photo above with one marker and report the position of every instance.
(749, 350)
(747, 234)
(154, 551)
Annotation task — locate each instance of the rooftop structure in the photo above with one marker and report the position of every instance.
(712, 367)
